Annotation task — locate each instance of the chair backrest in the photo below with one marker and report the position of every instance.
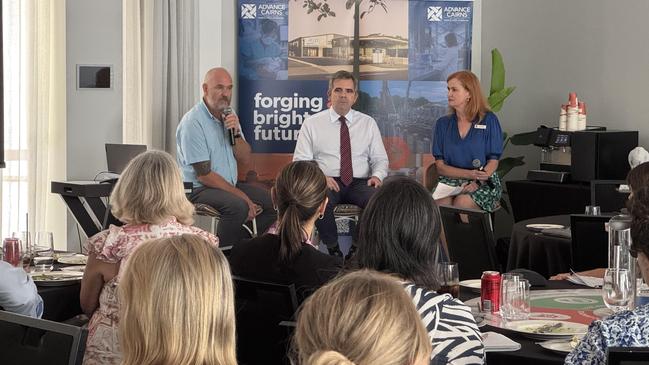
(589, 241)
(261, 306)
(471, 244)
(605, 194)
(282, 297)
(627, 355)
(27, 340)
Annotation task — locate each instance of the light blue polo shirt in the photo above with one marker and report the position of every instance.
(201, 137)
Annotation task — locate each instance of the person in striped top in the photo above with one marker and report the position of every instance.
(399, 234)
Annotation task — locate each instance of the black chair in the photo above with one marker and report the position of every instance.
(606, 195)
(471, 244)
(627, 355)
(589, 241)
(27, 340)
(260, 308)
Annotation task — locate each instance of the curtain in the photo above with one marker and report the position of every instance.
(160, 69)
(39, 116)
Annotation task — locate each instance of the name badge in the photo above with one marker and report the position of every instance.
(481, 126)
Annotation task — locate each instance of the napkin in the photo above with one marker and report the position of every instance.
(589, 281)
(443, 190)
(494, 341)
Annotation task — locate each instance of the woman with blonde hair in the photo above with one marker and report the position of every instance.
(362, 318)
(150, 199)
(177, 304)
(467, 145)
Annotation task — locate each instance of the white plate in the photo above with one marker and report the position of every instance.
(560, 347)
(75, 268)
(56, 278)
(473, 284)
(542, 226)
(77, 259)
(528, 328)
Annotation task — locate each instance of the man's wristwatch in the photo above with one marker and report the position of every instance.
(238, 135)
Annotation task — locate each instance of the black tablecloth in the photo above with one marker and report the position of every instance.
(530, 199)
(60, 302)
(547, 255)
(530, 353)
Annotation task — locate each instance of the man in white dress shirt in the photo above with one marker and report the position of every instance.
(352, 156)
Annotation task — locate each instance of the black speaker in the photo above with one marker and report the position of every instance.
(601, 155)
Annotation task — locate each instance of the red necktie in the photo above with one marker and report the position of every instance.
(346, 169)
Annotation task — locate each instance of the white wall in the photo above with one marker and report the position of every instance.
(596, 48)
(94, 36)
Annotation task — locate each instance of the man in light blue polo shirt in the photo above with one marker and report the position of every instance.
(18, 293)
(209, 160)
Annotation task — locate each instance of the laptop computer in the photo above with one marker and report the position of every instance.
(119, 155)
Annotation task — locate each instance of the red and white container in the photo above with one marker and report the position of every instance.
(490, 291)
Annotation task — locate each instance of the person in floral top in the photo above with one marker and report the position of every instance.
(150, 199)
(627, 328)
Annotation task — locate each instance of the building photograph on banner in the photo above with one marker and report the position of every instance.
(405, 51)
(383, 42)
(318, 47)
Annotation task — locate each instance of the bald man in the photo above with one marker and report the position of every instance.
(209, 161)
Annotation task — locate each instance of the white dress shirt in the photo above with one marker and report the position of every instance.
(18, 293)
(319, 140)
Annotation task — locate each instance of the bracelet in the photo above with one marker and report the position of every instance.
(238, 135)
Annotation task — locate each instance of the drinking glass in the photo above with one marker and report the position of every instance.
(617, 289)
(508, 290)
(43, 252)
(11, 251)
(449, 278)
(522, 303)
(593, 210)
(26, 248)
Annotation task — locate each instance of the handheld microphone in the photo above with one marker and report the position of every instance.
(227, 111)
(477, 165)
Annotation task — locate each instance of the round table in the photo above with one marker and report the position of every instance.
(61, 302)
(530, 353)
(548, 255)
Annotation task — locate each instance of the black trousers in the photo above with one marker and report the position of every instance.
(357, 193)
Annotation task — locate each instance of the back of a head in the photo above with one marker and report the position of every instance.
(638, 177)
(177, 304)
(151, 190)
(364, 317)
(399, 232)
(300, 189)
(639, 209)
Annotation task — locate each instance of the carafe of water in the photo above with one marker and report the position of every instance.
(619, 256)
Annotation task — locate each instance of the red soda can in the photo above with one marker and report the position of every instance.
(11, 251)
(490, 291)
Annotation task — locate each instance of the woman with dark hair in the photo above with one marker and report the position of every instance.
(398, 234)
(626, 328)
(300, 197)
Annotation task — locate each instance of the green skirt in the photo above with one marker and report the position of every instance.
(487, 198)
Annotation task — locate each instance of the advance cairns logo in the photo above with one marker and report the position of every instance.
(248, 11)
(449, 13)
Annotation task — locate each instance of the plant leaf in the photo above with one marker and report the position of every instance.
(506, 164)
(496, 100)
(523, 139)
(497, 72)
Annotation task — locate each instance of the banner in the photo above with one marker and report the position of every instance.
(406, 50)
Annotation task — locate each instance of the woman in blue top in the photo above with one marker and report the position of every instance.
(467, 144)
